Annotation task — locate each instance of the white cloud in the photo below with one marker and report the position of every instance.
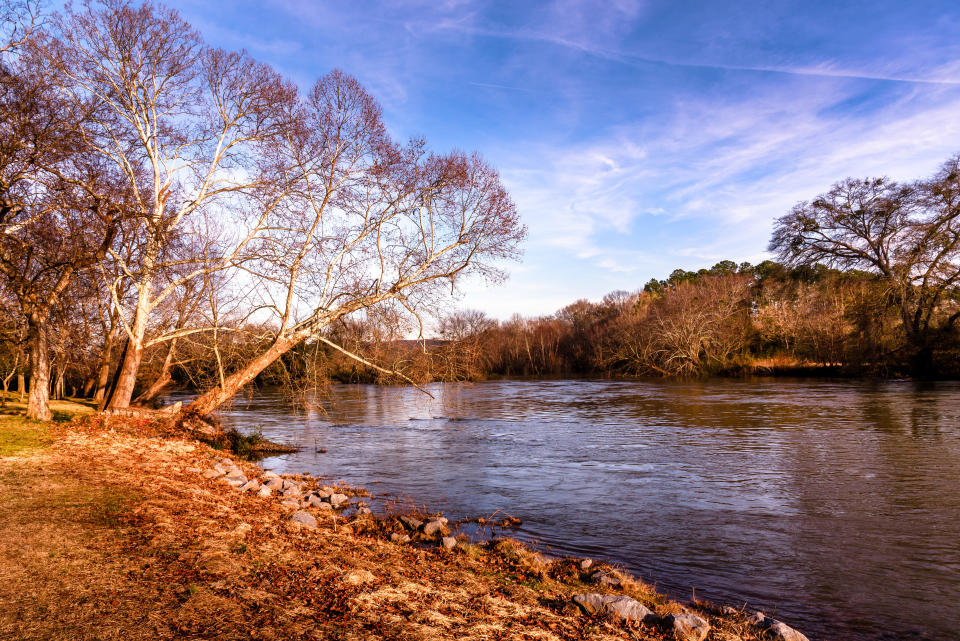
(721, 171)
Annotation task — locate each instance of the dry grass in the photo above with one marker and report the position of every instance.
(108, 530)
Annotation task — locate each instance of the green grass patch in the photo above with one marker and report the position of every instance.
(20, 436)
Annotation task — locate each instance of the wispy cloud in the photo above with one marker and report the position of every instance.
(637, 136)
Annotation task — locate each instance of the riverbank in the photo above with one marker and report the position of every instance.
(124, 529)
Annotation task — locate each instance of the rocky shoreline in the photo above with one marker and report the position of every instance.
(309, 500)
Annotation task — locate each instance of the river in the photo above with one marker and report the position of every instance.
(834, 503)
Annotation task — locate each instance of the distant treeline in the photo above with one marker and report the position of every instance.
(731, 319)
(865, 283)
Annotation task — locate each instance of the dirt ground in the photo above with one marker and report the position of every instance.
(109, 530)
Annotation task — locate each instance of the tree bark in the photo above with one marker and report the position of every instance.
(103, 369)
(130, 363)
(38, 405)
(21, 385)
(163, 379)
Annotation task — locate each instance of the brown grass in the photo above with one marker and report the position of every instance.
(108, 530)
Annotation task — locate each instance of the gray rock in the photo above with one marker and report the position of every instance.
(313, 501)
(688, 627)
(619, 606)
(336, 500)
(325, 492)
(212, 474)
(779, 631)
(603, 578)
(363, 510)
(290, 503)
(757, 618)
(396, 537)
(236, 474)
(290, 485)
(433, 528)
(264, 491)
(235, 482)
(325, 507)
(586, 564)
(267, 474)
(448, 542)
(250, 486)
(305, 519)
(274, 483)
(220, 469)
(411, 522)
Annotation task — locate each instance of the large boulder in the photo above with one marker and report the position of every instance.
(252, 485)
(619, 606)
(688, 627)
(434, 527)
(314, 500)
(305, 519)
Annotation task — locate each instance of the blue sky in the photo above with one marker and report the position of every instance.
(635, 137)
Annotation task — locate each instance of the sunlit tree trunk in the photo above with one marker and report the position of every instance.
(130, 364)
(38, 405)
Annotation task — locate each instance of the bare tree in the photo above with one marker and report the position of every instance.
(909, 235)
(367, 223)
(701, 325)
(463, 352)
(58, 206)
(19, 20)
(185, 125)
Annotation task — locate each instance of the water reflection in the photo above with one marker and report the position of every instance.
(838, 503)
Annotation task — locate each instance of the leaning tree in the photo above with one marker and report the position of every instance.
(363, 223)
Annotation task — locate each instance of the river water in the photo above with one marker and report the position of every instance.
(834, 503)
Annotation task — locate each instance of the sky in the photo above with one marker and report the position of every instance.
(635, 137)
